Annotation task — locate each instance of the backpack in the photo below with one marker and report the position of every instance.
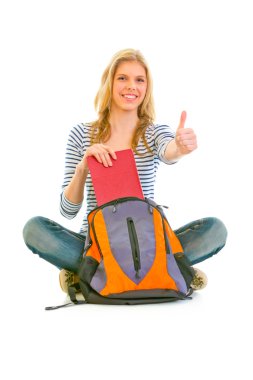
(131, 256)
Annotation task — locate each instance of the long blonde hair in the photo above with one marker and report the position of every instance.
(100, 131)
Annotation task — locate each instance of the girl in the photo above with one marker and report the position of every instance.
(125, 120)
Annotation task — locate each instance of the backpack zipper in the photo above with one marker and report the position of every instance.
(134, 246)
(95, 235)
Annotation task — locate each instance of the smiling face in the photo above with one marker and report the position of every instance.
(129, 86)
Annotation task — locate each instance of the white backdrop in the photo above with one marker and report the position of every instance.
(53, 54)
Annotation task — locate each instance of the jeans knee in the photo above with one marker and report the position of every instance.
(220, 231)
(30, 229)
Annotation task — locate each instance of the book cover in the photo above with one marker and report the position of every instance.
(116, 181)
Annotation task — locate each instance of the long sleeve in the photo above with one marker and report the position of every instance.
(74, 154)
(163, 134)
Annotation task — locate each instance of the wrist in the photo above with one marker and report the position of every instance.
(178, 152)
(82, 168)
(173, 151)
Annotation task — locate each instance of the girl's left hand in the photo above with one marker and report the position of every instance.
(185, 138)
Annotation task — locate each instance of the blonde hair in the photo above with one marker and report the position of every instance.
(100, 131)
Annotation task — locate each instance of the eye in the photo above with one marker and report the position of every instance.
(121, 77)
(142, 80)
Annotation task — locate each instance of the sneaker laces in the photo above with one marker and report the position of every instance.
(197, 281)
(69, 277)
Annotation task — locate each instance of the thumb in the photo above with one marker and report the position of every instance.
(182, 120)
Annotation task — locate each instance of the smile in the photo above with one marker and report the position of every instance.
(130, 96)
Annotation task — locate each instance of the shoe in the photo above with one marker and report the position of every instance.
(199, 280)
(67, 278)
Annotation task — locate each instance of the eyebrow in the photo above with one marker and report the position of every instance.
(139, 76)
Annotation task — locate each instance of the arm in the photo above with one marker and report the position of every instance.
(71, 204)
(75, 190)
(76, 169)
(185, 141)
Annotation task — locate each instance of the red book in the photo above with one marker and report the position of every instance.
(116, 181)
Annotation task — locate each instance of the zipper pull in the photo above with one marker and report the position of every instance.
(137, 275)
(163, 206)
(150, 208)
(114, 206)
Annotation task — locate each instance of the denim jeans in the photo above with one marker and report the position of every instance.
(63, 248)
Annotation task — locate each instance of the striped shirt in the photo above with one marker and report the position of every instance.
(157, 136)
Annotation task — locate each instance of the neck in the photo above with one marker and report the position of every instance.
(122, 120)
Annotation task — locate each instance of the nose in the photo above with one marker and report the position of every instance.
(131, 85)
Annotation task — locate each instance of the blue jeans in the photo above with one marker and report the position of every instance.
(63, 248)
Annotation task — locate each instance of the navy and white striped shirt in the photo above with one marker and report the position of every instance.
(157, 136)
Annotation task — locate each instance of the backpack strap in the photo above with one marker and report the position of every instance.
(72, 290)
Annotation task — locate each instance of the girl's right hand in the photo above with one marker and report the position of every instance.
(103, 153)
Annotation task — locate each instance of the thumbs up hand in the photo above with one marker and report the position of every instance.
(185, 138)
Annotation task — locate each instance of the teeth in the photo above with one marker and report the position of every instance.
(130, 96)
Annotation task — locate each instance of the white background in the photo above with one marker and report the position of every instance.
(53, 54)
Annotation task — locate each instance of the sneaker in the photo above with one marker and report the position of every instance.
(67, 278)
(199, 280)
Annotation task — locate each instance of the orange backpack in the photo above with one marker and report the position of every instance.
(132, 256)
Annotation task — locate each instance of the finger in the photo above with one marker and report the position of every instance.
(110, 151)
(108, 158)
(98, 158)
(191, 147)
(182, 120)
(104, 160)
(185, 136)
(99, 153)
(187, 142)
(186, 131)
